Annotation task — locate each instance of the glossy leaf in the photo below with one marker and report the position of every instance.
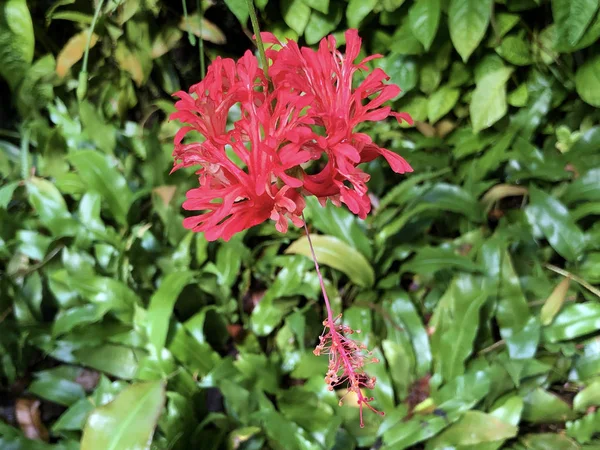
(553, 219)
(424, 19)
(330, 251)
(468, 21)
(488, 104)
(128, 421)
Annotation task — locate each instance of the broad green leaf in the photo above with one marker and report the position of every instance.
(341, 223)
(468, 21)
(402, 71)
(128, 422)
(584, 188)
(239, 8)
(335, 253)
(572, 18)
(455, 322)
(554, 302)
(474, 428)
(542, 407)
(320, 25)
(294, 278)
(549, 441)
(488, 104)
(296, 14)
(102, 177)
(400, 307)
(516, 50)
(16, 41)
(51, 207)
(424, 19)
(404, 42)
(554, 221)
(161, 306)
(587, 81)
(357, 10)
(112, 359)
(590, 396)
(441, 103)
(6, 193)
(319, 5)
(584, 429)
(454, 398)
(573, 321)
(429, 260)
(517, 327)
(58, 385)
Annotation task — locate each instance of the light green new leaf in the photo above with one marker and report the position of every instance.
(587, 81)
(318, 5)
(441, 103)
(488, 104)
(554, 220)
(424, 17)
(335, 253)
(468, 21)
(296, 14)
(240, 9)
(16, 41)
(128, 422)
(357, 10)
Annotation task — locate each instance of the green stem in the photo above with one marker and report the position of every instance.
(25, 153)
(200, 40)
(82, 87)
(259, 42)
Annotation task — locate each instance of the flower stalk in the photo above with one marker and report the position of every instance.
(259, 42)
(347, 358)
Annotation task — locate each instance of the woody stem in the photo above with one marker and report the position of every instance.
(314, 257)
(259, 42)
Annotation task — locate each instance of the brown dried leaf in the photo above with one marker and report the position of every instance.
(425, 129)
(130, 63)
(30, 420)
(210, 32)
(501, 191)
(166, 193)
(73, 51)
(165, 41)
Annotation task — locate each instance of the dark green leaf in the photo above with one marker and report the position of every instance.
(102, 177)
(554, 221)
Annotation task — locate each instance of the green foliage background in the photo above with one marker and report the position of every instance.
(473, 279)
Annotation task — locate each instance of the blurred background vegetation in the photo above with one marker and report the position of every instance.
(473, 279)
